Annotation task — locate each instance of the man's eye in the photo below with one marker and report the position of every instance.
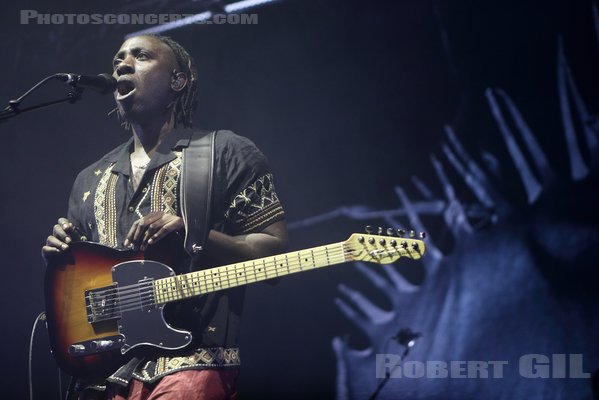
(142, 56)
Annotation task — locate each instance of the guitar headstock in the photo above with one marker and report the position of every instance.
(381, 249)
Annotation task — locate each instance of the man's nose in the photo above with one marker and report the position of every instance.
(124, 67)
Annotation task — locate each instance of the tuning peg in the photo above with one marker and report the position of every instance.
(412, 234)
(390, 232)
(422, 235)
(368, 229)
(380, 231)
(401, 232)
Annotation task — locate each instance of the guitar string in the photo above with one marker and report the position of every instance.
(133, 294)
(133, 291)
(120, 290)
(134, 287)
(138, 302)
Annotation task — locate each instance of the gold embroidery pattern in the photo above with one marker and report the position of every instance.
(171, 179)
(105, 208)
(255, 206)
(139, 203)
(271, 213)
(164, 192)
(202, 358)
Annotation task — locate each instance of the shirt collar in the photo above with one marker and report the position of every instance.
(177, 139)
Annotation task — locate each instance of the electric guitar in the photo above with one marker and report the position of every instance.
(102, 302)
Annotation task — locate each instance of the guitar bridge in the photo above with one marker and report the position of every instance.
(102, 303)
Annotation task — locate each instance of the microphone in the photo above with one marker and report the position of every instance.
(103, 83)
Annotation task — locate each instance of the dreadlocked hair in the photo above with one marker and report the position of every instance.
(186, 100)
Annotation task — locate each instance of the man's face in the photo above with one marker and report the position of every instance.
(143, 68)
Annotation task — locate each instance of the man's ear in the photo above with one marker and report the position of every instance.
(179, 81)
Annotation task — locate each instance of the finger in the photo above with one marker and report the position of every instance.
(139, 227)
(49, 250)
(65, 224)
(152, 229)
(154, 220)
(130, 234)
(137, 233)
(68, 228)
(171, 226)
(155, 217)
(56, 243)
(59, 232)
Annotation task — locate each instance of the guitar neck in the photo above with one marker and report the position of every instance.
(198, 283)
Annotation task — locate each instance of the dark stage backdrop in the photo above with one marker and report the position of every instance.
(474, 121)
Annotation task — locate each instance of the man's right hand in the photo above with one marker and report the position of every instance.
(60, 238)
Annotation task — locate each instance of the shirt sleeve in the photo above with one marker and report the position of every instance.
(249, 189)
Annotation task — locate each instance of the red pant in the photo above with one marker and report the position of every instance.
(185, 385)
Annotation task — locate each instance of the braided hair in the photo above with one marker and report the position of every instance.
(186, 101)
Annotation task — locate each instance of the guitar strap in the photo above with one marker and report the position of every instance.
(197, 169)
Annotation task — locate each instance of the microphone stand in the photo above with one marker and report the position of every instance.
(407, 339)
(13, 109)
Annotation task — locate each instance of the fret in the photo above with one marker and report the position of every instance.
(235, 272)
(206, 282)
(254, 270)
(196, 284)
(228, 280)
(244, 274)
(214, 279)
(188, 289)
(265, 268)
(216, 284)
(157, 292)
(179, 287)
(165, 290)
(261, 270)
(170, 290)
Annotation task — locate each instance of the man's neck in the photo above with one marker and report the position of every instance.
(148, 136)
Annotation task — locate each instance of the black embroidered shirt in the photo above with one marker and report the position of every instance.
(103, 205)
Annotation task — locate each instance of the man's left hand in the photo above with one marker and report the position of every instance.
(151, 228)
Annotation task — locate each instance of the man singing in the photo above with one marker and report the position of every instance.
(131, 198)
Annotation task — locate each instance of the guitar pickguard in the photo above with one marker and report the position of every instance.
(142, 321)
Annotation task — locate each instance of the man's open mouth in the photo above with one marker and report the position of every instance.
(124, 89)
